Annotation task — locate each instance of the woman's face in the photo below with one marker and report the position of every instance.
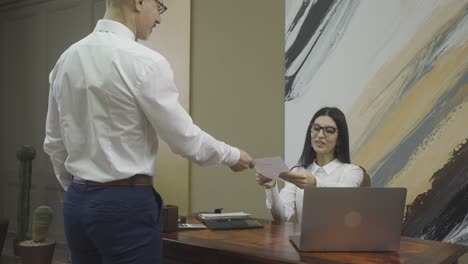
(324, 135)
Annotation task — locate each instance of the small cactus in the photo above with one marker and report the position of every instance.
(41, 223)
(25, 156)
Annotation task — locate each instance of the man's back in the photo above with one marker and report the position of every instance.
(109, 99)
(95, 82)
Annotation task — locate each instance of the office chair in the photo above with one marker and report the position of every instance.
(366, 181)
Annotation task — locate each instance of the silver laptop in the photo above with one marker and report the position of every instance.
(351, 219)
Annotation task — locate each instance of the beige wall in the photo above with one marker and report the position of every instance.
(237, 89)
(236, 55)
(172, 39)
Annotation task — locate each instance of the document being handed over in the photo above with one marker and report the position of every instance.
(270, 167)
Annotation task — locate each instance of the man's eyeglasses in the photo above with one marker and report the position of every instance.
(161, 7)
(327, 130)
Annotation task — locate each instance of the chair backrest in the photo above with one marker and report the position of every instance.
(366, 181)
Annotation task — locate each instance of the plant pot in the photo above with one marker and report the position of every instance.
(36, 253)
(15, 247)
(3, 232)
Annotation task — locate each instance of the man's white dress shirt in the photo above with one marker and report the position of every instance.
(334, 174)
(109, 99)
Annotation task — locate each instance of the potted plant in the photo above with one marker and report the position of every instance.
(3, 232)
(39, 250)
(25, 156)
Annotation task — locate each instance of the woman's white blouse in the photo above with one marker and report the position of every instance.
(334, 174)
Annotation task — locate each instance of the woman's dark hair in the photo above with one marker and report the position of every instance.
(342, 144)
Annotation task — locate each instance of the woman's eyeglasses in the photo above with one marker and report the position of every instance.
(161, 7)
(327, 130)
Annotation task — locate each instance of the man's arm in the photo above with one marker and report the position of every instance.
(53, 143)
(158, 98)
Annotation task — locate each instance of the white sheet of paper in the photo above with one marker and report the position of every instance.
(270, 167)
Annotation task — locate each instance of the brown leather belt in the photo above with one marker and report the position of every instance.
(138, 179)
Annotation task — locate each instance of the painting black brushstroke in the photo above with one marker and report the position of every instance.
(311, 38)
(435, 213)
(311, 23)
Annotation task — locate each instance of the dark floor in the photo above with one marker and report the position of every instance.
(7, 257)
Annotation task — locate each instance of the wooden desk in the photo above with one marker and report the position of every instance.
(271, 245)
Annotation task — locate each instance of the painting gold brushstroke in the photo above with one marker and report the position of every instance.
(408, 112)
(434, 153)
(377, 96)
(413, 107)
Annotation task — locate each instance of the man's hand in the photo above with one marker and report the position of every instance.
(264, 181)
(301, 179)
(245, 162)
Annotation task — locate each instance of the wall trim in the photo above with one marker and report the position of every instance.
(7, 4)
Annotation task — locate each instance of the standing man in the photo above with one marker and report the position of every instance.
(110, 97)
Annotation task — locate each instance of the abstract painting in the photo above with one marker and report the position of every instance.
(399, 71)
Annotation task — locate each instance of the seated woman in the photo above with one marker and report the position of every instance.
(324, 162)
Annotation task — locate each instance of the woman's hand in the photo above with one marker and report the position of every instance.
(301, 179)
(265, 182)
